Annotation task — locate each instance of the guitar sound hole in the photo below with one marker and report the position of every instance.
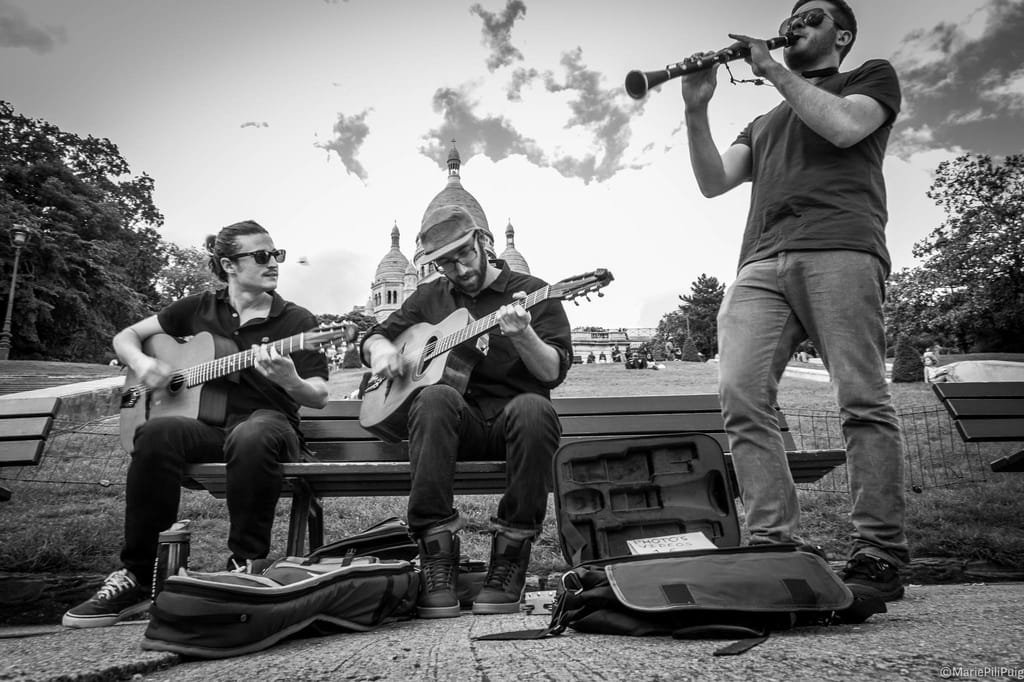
(426, 357)
(176, 384)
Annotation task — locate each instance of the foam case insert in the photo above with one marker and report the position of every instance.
(611, 490)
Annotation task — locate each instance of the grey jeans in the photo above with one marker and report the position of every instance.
(835, 299)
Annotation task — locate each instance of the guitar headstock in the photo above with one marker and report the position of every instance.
(572, 288)
(325, 334)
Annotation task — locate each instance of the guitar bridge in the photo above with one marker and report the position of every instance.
(130, 399)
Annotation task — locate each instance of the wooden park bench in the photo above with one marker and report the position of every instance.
(990, 411)
(353, 463)
(25, 424)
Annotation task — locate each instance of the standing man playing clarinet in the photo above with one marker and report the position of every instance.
(812, 264)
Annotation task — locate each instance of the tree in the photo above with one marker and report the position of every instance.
(187, 272)
(907, 366)
(973, 262)
(93, 252)
(696, 319)
(689, 351)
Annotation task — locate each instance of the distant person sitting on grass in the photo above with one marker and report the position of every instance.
(261, 418)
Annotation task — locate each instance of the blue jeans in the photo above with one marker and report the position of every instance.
(444, 428)
(835, 299)
(164, 445)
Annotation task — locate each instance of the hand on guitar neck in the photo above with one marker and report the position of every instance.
(514, 322)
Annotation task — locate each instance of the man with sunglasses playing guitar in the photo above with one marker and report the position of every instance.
(504, 413)
(260, 417)
(813, 264)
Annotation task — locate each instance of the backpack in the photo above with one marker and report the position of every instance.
(217, 615)
(742, 593)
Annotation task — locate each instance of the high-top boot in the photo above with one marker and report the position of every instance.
(506, 575)
(439, 568)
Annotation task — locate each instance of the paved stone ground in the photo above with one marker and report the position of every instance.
(936, 632)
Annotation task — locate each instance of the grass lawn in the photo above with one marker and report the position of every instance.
(76, 528)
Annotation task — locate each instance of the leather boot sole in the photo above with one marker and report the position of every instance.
(438, 611)
(483, 609)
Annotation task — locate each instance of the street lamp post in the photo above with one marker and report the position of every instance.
(19, 236)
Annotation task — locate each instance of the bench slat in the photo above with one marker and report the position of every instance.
(979, 389)
(29, 407)
(701, 402)
(23, 428)
(982, 430)
(573, 425)
(961, 408)
(342, 451)
(21, 452)
(363, 479)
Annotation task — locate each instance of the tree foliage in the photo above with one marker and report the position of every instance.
(696, 319)
(187, 272)
(907, 366)
(93, 252)
(969, 290)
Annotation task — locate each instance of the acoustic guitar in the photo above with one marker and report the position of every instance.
(440, 354)
(204, 357)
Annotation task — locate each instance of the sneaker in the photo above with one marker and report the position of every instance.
(871, 577)
(506, 576)
(119, 598)
(439, 567)
(251, 566)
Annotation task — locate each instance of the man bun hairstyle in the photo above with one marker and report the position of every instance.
(224, 244)
(843, 15)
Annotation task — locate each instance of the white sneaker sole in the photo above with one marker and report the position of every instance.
(105, 620)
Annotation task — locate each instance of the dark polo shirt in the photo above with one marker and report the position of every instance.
(248, 390)
(501, 374)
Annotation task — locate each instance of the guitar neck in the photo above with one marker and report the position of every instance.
(481, 326)
(222, 366)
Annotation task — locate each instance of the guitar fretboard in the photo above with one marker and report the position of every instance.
(479, 327)
(236, 362)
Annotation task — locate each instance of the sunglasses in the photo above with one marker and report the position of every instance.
(262, 257)
(811, 18)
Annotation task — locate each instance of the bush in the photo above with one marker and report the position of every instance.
(907, 366)
(689, 351)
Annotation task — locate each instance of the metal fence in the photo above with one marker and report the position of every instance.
(90, 453)
(934, 453)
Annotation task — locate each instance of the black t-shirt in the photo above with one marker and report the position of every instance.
(501, 374)
(808, 194)
(247, 390)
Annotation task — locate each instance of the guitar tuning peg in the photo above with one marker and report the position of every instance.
(587, 296)
(600, 294)
(576, 302)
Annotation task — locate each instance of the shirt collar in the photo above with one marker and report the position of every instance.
(276, 302)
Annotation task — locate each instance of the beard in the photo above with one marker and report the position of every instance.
(472, 282)
(809, 52)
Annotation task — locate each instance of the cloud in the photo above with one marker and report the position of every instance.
(964, 82)
(497, 31)
(16, 30)
(492, 136)
(601, 112)
(349, 134)
(255, 124)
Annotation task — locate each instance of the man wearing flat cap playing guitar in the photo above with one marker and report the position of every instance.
(491, 401)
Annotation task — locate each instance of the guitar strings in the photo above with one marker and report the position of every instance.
(478, 327)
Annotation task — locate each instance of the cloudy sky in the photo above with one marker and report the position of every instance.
(329, 121)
